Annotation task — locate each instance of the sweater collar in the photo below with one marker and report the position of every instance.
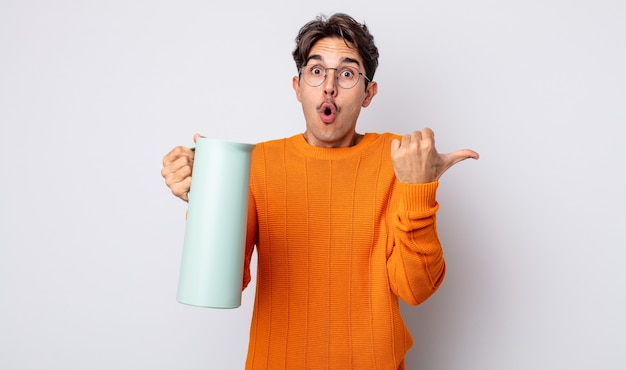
(305, 148)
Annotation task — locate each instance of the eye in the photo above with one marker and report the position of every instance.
(347, 73)
(316, 71)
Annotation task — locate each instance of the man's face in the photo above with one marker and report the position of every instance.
(331, 111)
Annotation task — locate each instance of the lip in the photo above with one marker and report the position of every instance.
(328, 112)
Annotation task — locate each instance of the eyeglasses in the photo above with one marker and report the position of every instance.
(347, 77)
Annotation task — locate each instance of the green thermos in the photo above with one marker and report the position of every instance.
(211, 271)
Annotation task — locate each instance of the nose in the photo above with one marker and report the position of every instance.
(330, 82)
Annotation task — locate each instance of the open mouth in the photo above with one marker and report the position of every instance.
(328, 111)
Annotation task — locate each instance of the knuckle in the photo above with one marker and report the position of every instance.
(184, 171)
(184, 161)
(179, 150)
(170, 182)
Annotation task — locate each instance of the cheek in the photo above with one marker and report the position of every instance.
(308, 102)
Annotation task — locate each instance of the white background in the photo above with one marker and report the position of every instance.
(94, 93)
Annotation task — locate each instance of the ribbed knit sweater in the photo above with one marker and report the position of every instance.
(339, 239)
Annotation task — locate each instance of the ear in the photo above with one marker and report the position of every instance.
(370, 92)
(295, 82)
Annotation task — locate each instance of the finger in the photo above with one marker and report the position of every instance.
(178, 170)
(196, 136)
(427, 133)
(395, 145)
(171, 156)
(180, 180)
(406, 140)
(174, 165)
(458, 156)
(416, 135)
(450, 159)
(466, 153)
(181, 189)
(177, 152)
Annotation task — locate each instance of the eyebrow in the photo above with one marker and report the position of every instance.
(344, 60)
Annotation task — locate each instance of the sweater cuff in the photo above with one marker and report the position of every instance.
(419, 197)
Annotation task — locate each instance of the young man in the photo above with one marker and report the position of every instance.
(344, 223)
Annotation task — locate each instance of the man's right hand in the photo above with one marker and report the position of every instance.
(177, 168)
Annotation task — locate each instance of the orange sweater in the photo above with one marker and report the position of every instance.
(338, 240)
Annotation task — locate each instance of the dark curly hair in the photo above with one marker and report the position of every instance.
(342, 26)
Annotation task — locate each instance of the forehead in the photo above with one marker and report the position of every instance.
(334, 51)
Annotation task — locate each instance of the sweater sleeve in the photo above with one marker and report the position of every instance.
(415, 264)
(251, 240)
